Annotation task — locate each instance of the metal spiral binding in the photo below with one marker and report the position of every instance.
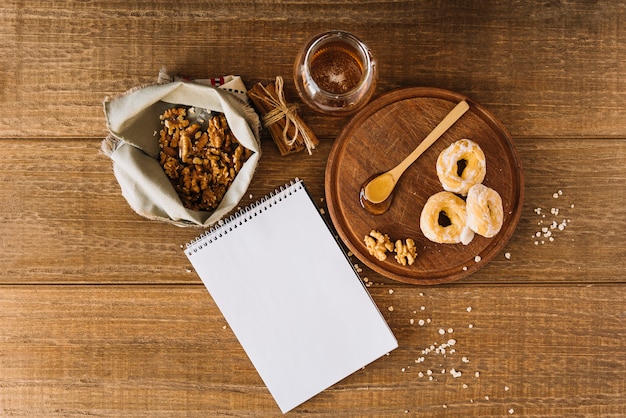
(242, 216)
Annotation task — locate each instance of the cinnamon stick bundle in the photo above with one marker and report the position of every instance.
(288, 130)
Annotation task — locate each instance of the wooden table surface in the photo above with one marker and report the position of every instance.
(101, 313)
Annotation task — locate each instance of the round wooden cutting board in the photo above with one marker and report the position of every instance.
(378, 138)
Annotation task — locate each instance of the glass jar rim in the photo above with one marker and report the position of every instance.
(361, 48)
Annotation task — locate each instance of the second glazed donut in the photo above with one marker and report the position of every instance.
(484, 210)
(460, 166)
(444, 219)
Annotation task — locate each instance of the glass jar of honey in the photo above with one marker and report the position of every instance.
(335, 73)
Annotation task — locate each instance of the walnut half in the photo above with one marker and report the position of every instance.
(378, 244)
(405, 252)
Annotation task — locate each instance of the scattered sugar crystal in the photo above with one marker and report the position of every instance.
(464, 268)
(455, 373)
(469, 309)
(477, 258)
(390, 309)
(411, 321)
(450, 330)
(420, 374)
(421, 322)
(465, 386)
(477, 374)
(506, 388)
(391, 291)
(422, 308)
(511, 411)
(486, 397)
(465, 360)
(507, 256)
(442, 331)
(428, 320)
(470, 326)
(403, 370)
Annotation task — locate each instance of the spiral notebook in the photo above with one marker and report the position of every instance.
(290, 295)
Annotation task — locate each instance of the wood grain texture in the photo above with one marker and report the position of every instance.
(166, 351)
(65, 221)
(101, 314)
(550, 68)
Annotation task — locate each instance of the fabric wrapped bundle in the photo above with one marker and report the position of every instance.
(133, 121)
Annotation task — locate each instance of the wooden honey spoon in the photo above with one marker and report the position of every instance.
(377, 191)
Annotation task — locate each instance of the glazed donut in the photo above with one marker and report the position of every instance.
(484, 210)
(444, 220)
(460, 166)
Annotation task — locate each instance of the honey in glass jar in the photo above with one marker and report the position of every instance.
(335, 73)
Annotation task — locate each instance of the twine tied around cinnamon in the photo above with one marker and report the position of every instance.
(276, 112)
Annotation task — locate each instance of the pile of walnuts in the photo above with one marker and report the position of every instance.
(200, 163)
(378, 244)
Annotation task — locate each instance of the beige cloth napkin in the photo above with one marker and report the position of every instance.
(133, 122)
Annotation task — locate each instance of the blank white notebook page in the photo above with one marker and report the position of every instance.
(291, 296)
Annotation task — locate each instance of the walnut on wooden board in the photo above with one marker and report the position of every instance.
(405, 252)
(378, 244)
(200, 163)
